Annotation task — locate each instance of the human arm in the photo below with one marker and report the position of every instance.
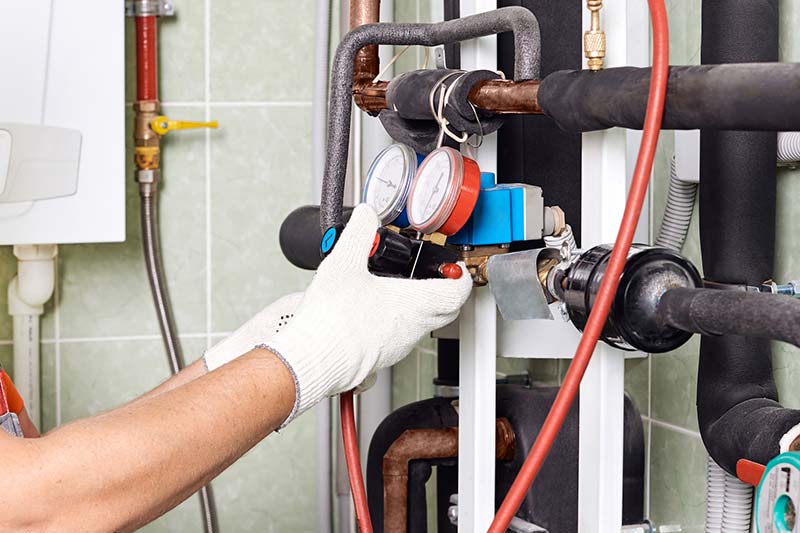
(121, 469)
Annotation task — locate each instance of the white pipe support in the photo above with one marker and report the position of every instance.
(34, 283)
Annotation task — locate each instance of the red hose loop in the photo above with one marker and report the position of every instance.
(353, 459)
(146, 58)
(597, 318)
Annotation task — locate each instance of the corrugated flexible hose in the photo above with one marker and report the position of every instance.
(678, 213)
(166, 322)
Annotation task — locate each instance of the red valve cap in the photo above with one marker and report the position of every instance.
(451, 271)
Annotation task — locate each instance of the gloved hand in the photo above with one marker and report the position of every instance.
(351, 323)
(257, 330)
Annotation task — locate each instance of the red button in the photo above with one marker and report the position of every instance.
(375, 244)
(451, 271)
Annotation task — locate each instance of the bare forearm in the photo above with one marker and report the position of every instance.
(121, 469)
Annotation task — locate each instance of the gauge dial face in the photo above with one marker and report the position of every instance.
(388, 181)
(435, 190)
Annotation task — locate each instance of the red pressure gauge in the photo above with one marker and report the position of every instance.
(444, 192)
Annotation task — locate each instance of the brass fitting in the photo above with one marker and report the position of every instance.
(147, 143)
(594, 40)
(477, 259)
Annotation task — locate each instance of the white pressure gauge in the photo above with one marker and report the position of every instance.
(444, 192)
(388, 182)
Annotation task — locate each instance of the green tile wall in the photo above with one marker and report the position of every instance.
(247, 64)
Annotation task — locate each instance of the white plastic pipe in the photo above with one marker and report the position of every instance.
(30, 289)
(27, 376)
(715, 496)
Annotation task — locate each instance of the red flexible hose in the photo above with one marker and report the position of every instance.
(608, 287)
(353, 459)
(146, 58)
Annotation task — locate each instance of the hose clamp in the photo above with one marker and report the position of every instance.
(149, 8)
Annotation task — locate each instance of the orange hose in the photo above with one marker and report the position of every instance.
(353, 459)
(608, 287)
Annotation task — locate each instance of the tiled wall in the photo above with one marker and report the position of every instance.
(247, 63)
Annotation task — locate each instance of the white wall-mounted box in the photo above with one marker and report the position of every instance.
(63, 66)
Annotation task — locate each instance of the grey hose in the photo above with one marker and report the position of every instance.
(788, 147)
(527, 53)
(678, 213)
(166, 322)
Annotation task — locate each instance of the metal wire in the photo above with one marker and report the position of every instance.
(166, 322)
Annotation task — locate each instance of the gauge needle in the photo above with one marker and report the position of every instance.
(433, 193)
(387, 182)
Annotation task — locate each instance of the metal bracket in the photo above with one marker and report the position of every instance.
(515, 283)
(149, 8)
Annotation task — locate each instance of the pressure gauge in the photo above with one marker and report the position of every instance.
(388, 182)
(444, 192)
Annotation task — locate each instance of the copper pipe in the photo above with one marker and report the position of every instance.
(367, 63)
(415, 444)
(507, 97)
(504, 97)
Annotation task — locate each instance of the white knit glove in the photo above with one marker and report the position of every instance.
(351, 323)
(257, 330)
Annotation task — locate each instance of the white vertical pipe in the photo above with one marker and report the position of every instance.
(476, 411)
(27, 364)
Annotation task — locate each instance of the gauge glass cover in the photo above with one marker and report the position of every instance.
(435, 190)
(389, 180)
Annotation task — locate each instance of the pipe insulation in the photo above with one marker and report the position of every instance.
(737, 400)
(518, 20)
(714, 312)
(756, 97)
(678, 212)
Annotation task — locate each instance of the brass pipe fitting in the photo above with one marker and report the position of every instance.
(147, 143)
(594, 40)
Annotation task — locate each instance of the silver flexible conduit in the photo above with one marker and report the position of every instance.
(527, 62)
(678, 213)
(158, 287)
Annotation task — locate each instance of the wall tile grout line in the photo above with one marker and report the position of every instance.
(207, 91)
(122, 338)
(57, 334)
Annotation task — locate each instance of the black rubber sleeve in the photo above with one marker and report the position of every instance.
(755, 97)
(719, 312)
(300, 236)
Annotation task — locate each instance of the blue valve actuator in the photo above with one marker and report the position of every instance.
(502, 214)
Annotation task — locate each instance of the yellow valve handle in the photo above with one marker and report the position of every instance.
(163, 125)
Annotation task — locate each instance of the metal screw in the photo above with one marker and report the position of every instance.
(452, 514)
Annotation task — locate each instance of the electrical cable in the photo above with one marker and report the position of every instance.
(597, 318)
(353, 459)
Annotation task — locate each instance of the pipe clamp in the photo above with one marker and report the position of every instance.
(149, 8)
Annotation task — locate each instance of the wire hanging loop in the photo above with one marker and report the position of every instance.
(437, 111)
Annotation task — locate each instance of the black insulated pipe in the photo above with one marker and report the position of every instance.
(720, 312)
(737, 400)
(753, 97)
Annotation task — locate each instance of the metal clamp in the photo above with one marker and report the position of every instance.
(149, 8)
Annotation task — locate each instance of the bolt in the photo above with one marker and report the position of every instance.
(452, 514)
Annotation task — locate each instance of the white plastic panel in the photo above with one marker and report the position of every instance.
(63, 66)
